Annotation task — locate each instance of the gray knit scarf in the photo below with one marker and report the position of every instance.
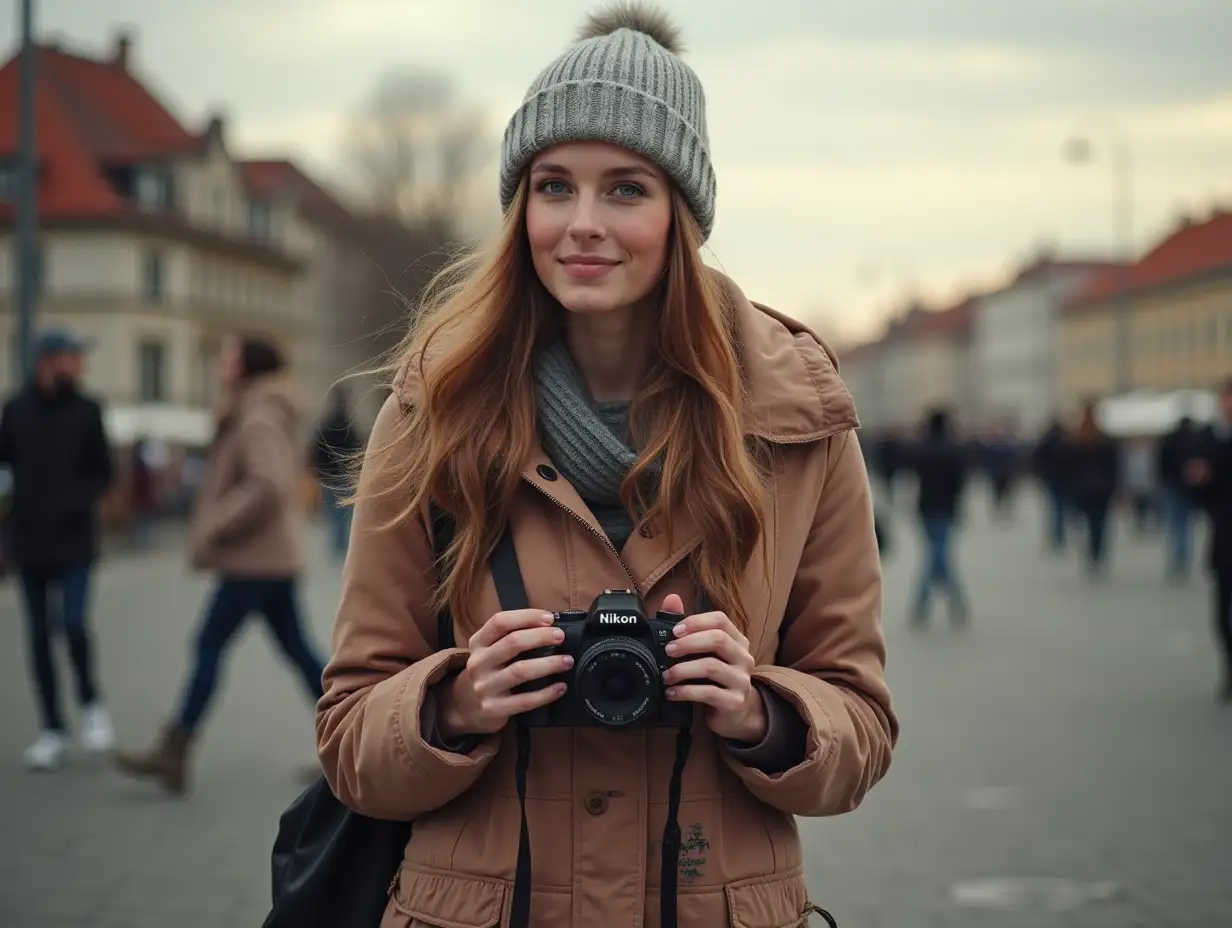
(589, 442)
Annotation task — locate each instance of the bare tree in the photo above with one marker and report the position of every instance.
(416, 147)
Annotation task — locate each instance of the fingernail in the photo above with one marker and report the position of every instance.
(672, 649)
(671, 692)
(558, 636)
(679, 629)
(548, 618)
(568, 661)
(560, 688)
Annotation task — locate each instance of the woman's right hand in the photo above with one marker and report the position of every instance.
(479, 700)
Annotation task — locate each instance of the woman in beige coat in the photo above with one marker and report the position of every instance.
(246, 527)
(590, 390)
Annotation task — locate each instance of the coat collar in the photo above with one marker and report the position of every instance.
(794, 395)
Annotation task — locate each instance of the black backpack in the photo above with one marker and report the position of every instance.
(331, 866)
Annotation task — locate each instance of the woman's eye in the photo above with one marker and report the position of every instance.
(629, 191)
(554, 187)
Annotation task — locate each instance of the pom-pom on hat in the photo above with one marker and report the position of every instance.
(623, 82)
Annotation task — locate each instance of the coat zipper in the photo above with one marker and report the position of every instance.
(607, 542)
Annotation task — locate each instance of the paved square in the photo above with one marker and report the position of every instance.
(1063, 762)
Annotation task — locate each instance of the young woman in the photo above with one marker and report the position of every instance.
(633, 422)
(246, 526)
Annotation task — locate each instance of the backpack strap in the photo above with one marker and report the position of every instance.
(442, 537)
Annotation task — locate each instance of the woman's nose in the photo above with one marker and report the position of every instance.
(586, 222)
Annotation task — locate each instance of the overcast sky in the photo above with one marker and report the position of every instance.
(861, 147)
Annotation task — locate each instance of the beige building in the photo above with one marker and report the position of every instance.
(156, 242)
(922, 361)
(1179, 303)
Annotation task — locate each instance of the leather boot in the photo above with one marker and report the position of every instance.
(166, 762)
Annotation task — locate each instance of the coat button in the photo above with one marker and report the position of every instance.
(596, 803)
(547, 473)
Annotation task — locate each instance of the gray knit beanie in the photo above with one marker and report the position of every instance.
(622, 82)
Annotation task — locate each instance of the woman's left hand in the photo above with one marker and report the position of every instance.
(711, 648)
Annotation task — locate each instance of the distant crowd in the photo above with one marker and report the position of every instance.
(1164, 483)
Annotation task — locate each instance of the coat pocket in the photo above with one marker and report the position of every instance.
(424, 898)
(779, 901)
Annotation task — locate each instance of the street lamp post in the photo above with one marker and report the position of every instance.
(26, 256)
(1121, 159)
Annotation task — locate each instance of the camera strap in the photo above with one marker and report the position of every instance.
(511, 590)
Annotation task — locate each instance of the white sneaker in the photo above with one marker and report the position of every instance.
(48, 752)
(97, 732)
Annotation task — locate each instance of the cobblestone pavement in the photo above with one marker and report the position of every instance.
(1063, 761)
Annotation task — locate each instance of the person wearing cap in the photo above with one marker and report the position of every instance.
(591, 393)
(53, 440)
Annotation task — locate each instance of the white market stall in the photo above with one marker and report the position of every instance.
(1155, 414)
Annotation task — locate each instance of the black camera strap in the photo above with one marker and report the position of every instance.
(511, 590)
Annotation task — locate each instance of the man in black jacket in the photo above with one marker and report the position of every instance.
(53, 441)
(1211, 477)
(1179, 447)
(940, 464)
(335, 446)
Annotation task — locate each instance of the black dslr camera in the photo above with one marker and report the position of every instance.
(616, 680)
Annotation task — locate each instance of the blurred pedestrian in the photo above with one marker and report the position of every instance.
(940, 463)
(143, 497)
(1048, 462)
(1178, 448)
(1001, 460)
(1140, 483)
(53, 439)
(1093, 463)
(246, 527)
(1210, 477)
(335, 445)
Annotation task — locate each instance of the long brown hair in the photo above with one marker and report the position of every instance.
(472, 347)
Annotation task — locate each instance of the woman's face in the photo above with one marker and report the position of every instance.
(598, 218)
(227, 366)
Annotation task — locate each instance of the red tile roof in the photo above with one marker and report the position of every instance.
(268, 178)
(1046, 266)
(1193, 249)
(89, 114)
(954, 322)
(94, 115)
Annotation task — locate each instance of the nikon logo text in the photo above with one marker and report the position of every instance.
(611, 618)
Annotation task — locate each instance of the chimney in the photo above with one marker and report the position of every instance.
(121, 49)
(216, 126)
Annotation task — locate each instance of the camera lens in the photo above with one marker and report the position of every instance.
(618, 680)
(615, 684)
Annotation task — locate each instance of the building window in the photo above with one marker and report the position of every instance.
(8, 182)
(260, 220)
(151, 371)
(151, 189)
(152, 276)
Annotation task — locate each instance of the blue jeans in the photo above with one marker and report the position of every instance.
(1095, 512)
(339, 517)
(938, 564)
(1178, 518)
(1058, 514)
(43, 619)
(233, 601)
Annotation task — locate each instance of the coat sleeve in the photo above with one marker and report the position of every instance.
(371, 721)
(268, 481)
(831, 658)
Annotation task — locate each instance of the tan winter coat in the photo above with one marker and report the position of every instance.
(597, 799)
(248, 519)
